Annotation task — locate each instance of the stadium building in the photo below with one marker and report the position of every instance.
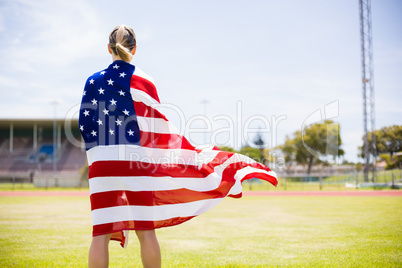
(46, 152)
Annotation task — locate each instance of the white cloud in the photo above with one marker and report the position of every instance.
(49, 32)
(8, 82)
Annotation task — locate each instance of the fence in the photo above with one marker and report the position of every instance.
(30, 180)
(323, 181)
(294, 182)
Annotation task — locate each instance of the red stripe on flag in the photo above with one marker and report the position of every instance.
(148, 197)
(156, 198)
(141, 109)
(219, 159)
(177, 196)
(138, 168)
(230, 172)
(107, 228)
(261, 176)
(137, 82)
(164, 141)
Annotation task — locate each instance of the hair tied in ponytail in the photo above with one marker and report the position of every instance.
(122, 42)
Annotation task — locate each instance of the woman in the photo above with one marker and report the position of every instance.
(122, 47)
(143, 174)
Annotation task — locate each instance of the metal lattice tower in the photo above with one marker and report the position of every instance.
(368, 87)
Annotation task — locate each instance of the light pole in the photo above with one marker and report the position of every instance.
(55, 102)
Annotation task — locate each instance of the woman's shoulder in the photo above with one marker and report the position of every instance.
(139, 72)
(95, 76)
(100, 74)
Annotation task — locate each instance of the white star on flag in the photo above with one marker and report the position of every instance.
(91, 81)
(116, 66)
(94, 102)
(126, 112)
(101, 90)
(81, 127)
(99, 122)
(121, 93)
(85, 93)
(93, 133)
(111, 131)
(110, 82)
(122, 74)
(86, 113)
(105, 111)
(118, 122)
(113, 102)
(103, 72)
(130, 132)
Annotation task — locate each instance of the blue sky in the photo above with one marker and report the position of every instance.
(274, 60)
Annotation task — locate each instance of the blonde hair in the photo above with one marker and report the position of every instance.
(122, 41)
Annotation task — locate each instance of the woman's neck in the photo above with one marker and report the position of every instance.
(116, 57)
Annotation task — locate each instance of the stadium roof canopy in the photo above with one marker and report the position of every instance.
(23, 123)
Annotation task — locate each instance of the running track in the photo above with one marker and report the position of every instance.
(246, 193)
(325, 193)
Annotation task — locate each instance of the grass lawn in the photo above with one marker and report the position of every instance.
(249, 232)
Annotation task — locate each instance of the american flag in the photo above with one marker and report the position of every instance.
(143, 174)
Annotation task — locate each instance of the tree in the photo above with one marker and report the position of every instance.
(317, 143)
(388, 141)
(227, 149)
(251, 152)
(391, 161)
(259, 143)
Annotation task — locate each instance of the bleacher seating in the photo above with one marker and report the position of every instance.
(73, 158)
(31, 154)
(25, 158)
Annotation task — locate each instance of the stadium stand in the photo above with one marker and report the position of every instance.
(28, 154)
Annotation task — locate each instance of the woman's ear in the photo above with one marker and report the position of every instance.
(134, 50)
(109, 49)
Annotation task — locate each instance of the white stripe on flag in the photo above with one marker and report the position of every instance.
(128, 152)
(156, 125)
(240, 174)
(152, 213)
(141, 96)
(145, 183)
(233, 159)
(247, 170)
(142, 74)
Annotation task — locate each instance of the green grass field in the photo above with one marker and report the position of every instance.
(246, 232)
